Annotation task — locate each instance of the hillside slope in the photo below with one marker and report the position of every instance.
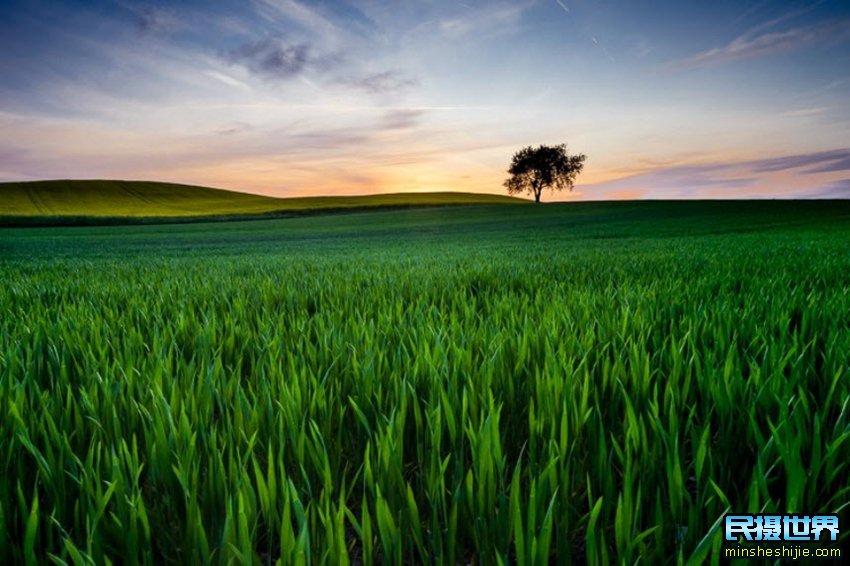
(138, 199)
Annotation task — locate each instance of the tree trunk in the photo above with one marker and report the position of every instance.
(537, 193)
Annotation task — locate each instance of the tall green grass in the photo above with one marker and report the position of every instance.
(434, 398)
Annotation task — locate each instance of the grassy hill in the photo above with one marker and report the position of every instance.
(141, 199)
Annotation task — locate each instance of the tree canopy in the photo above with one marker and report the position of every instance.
(534, 169)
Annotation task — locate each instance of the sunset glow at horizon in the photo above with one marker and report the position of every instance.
(669, 99)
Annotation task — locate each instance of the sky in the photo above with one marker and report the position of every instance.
(667, 98)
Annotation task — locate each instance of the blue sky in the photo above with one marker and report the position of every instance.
(669, 99)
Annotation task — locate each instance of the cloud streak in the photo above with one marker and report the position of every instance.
(751, 46)
(822, 159)
(832, 166)
(490, 20)
(794, 176)
(154, 21)
(384, 82)
(272, 58)
(402, 119)
(305, 17)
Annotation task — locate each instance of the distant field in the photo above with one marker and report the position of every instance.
(141, 199)
(591, 383)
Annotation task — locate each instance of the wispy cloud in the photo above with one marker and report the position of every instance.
(597, 43)
(751, 10)
(307, 18)
(753, 45)
(798, 161)
(680, 181)
(273, 58)
(805, 112)
(234, 129)
(402, 119)
(789, 176)
(154, 21)
(842, 164)
(488, 19)
(226, 79)
(384, 82)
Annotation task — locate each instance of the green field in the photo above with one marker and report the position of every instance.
(580, 383)
(57, 200)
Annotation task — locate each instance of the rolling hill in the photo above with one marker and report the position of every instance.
(145, 199)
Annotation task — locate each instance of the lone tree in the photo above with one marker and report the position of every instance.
(536, 168)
